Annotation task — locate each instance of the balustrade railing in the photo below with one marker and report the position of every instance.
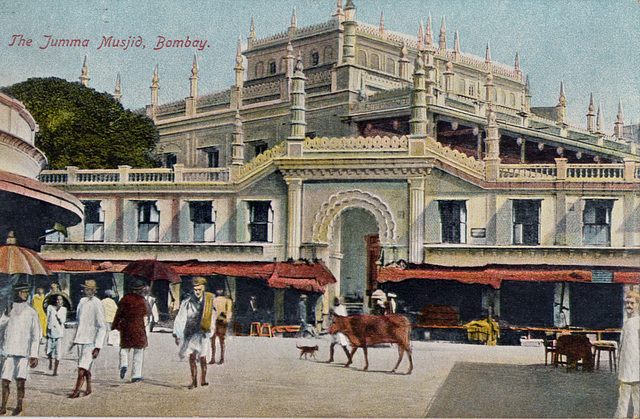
(529, 171)
(595, 171)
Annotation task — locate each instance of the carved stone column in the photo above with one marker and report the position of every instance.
(416, 219)
(294, 218)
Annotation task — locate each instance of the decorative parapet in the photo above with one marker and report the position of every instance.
(262, 89)
(357, 143)
(299, 32)
(125, 174)
(212, 99)
(454, 157)
(616, 173)
(263, 159)
(528, 171)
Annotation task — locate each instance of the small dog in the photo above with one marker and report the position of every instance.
(307, 350)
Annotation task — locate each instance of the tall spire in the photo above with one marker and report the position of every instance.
(154, 93)
(420, 36)
(339, 13)
(381, 27)
(84, 77)
(617, 126)
(194, 77)
(428, 36)
(516, 67)
(562, 105)
(443, 34)
(294, 19)
(456, 43)
(527, 95)
(487, 57)
(599, 120)
(118, 93)
(591, 116)
(252, 33)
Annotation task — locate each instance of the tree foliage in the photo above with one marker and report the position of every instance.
(84, 128)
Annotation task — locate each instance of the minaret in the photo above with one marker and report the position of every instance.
(294, 20)
(428, 36)
(561, 107)
(418, 122)
(448, 77)
(252, 34)
(236, 90)
(443, 35)
(599, 121)
(290, 59)
(84, 77)
(591, 116)
(492, 139)
(154, 93)
(237, 147)
(191, 103)
(527, 95)
(349, 44)
(403, 62)
(617, 126)
(298, 111)
(516, 67)
(117, 95)
(339, 13)
(193, 89)
(456, 45)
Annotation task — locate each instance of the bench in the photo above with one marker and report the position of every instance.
(282, 330)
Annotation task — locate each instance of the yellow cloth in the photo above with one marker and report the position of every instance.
(224, 307)
(110, 308)
(486, 330)
(205, 324)
(38, 305)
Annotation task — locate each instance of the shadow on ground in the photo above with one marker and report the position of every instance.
(524, 391)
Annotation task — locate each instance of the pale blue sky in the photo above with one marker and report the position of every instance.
(593, 45)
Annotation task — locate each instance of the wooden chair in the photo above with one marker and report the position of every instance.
(550, 351)
(254, 329)
(265, 330)
(610, 346)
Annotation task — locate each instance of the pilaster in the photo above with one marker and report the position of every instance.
(416, 219)
(294, 218)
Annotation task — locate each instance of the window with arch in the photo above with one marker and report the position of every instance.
(362, 58)
(375, 61)
(259, 69)
(328, 54)
(315, 58)
(391, 66)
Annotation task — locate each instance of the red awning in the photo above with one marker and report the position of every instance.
(299, 275)
(485, 275)
(630, 277)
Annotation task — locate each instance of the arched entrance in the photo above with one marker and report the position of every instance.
(358, 227)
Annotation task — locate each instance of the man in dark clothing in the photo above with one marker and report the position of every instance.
(129, 320)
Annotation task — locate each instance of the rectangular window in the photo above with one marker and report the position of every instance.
(260, 221)
(453, 218)
(93, 221)
(148, 221)
(596, 222)
(526, 222)
(260, 147)
(213, 157)
(204, 221)
(471, 90)
(170, 160)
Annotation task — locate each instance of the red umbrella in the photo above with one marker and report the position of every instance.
(152, 269)
(20, 260)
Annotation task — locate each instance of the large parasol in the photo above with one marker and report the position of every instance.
(20, 260)
(152, 269)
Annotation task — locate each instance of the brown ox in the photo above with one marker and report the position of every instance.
(363, 331)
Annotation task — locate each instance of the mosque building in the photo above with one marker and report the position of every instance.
(347, 157)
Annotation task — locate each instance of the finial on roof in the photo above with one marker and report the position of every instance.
(456, 43)
(619, 116)
(443, 34)
(194, 68)
(239, 52)
(84, 77)
(562, 99)
(527, 87)
(118, 93)
(252, 32)
(403, 50)
(420, 35)
(517, 64)
(428, 36)
(294, 18)
(11, 238)
(487, 57)
(599, 119)
(154, 82)
(592, 107)
(381, 27)
(339, 13)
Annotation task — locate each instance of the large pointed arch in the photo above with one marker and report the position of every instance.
(330, 210)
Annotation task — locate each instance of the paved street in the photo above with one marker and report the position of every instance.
(264, 377)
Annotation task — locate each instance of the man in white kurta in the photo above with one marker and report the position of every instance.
(92, 329)
(338, 338)
(629, 358)
(56, 318)
(193, 327)
(20, 335)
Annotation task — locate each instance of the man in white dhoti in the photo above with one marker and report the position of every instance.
(338, 338)
(92, 328)
(629, 358)
(20, 335)
(193, 327)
